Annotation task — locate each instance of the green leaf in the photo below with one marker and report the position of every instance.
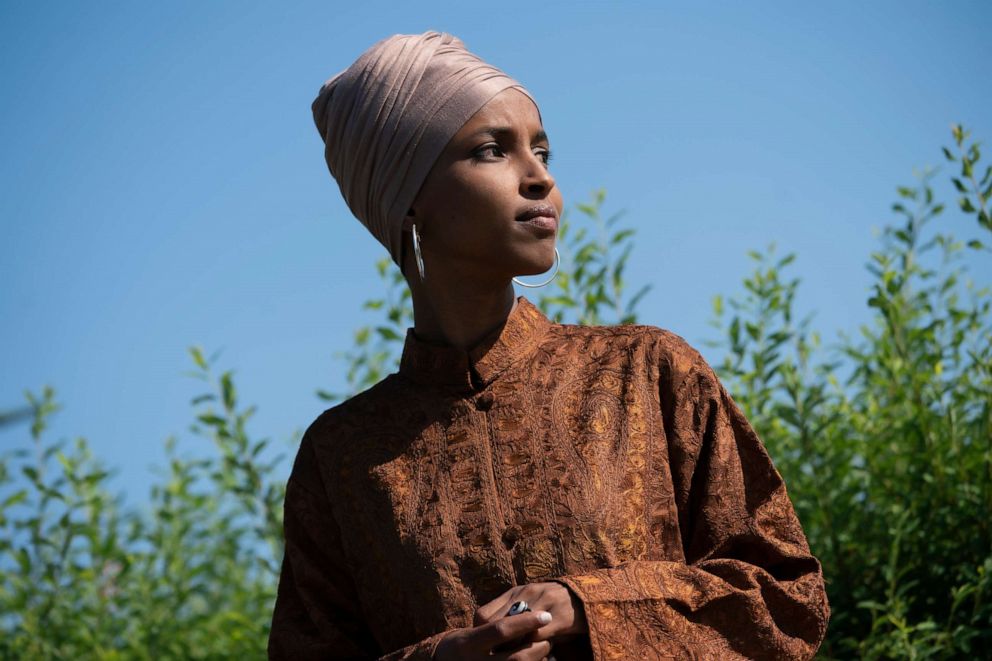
(621, 235)
(227, 390)
(198, 357)
(212, 420)
(958, 133)
(564, 301)
(14, 499)
(199, 399)
(388, 333)
(24, 562)
(67, 465)
(966, 164)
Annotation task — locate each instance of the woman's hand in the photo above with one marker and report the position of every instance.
(568, 616)
(503, 633)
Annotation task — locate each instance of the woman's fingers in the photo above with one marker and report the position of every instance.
(530, 652)
(503, 639)
(508, 639)
(497, 608)
(508, 629)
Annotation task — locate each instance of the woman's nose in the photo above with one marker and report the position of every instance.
(537, 179)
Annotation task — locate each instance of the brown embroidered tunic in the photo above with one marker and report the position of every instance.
(610, 459)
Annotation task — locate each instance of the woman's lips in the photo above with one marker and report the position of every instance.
(545, 223)
(541, 217)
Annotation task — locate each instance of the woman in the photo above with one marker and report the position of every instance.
(602, 475)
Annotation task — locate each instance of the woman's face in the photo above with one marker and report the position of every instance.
(472, 211)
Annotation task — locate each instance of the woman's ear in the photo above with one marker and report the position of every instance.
(408, 221)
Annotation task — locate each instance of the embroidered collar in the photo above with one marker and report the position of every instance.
(424, 362)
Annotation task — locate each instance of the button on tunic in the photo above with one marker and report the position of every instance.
(608, 459)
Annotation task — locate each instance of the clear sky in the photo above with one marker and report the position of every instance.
(163, 184)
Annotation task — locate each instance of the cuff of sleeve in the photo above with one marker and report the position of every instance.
(420, 651)
(585, 588)
(432, 643)
(607, 593)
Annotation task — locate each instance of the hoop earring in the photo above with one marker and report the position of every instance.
(416, 252)
(541, 284)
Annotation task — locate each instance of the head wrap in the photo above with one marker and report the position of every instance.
(387, 117)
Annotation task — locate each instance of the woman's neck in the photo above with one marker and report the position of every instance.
(460, 316)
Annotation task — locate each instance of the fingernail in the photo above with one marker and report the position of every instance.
(544, 617)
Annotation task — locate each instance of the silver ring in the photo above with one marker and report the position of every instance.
(518, 607)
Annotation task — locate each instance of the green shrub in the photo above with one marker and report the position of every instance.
(885, 441)
(192, 576)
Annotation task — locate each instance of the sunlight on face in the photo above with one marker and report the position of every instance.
(493, 171)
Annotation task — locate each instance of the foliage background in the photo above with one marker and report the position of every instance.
(161, 182)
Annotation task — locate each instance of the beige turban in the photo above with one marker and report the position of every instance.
(387, 117)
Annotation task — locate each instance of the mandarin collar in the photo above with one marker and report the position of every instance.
(517, 338)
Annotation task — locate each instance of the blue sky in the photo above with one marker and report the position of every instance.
(163, 184)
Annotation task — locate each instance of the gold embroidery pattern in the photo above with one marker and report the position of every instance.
(608, 459)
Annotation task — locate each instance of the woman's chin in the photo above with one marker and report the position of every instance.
(531, 259)
(536, 266)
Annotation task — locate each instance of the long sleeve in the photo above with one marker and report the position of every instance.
(749, 587)
(317, 613)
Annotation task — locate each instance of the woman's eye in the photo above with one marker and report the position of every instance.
(492, 151)
(488, 150)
